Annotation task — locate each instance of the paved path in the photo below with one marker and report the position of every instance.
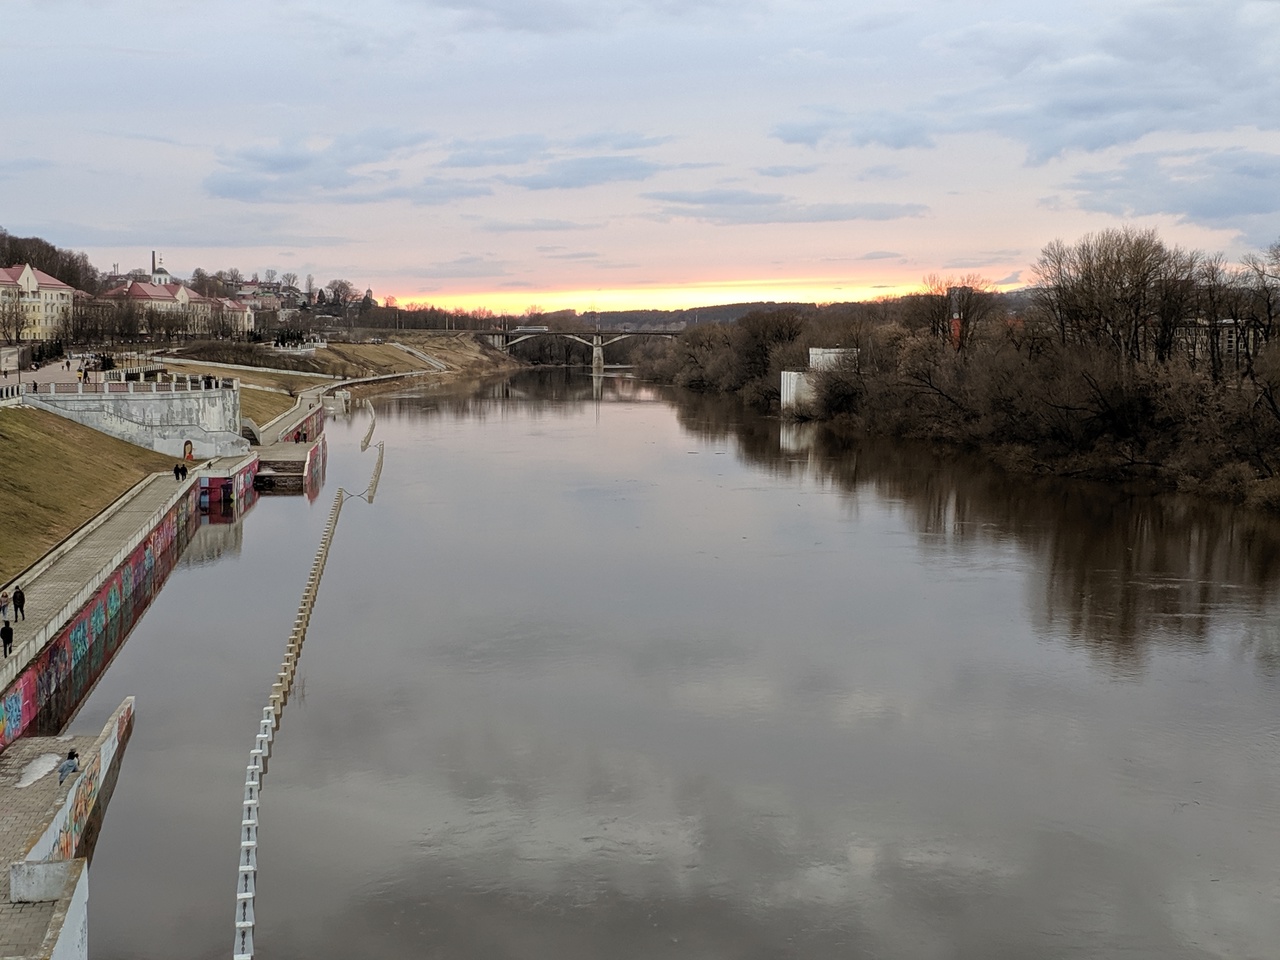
(53, 588)
(24, 814)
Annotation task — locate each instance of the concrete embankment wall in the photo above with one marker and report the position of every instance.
(43, 872)
(86, 634)
(164, 420)
(55, 865)
(310, 422)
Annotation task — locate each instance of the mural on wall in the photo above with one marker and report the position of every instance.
(49, 690)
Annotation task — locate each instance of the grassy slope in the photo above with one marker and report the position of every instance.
(373, 359)
(261, 406)
(55, 475)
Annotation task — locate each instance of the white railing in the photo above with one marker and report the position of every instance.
(246, 884)
(175, 385)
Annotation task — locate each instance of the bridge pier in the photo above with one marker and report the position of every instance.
(597, 354)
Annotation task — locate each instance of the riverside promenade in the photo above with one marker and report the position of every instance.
(60, 582)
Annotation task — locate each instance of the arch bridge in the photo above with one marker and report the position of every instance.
(597, 340)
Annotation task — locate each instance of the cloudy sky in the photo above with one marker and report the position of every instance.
(608, 153)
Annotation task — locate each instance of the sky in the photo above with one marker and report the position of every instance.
(612, 154)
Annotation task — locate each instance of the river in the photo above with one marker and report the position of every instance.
(641, 676)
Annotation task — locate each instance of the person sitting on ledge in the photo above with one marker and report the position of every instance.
(68, 766)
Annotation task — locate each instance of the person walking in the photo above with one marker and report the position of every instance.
(177, 471)
(6, 638)
(4, 605)
(19, 602)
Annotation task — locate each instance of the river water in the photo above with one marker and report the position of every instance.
(618, 674)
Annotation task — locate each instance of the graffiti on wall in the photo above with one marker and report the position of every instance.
(312, 426)
(71, 833)
(48, 691)
(223, 499)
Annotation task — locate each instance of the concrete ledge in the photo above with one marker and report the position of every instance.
(68, 934)
(33, 881)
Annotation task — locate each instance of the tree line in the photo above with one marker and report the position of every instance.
(1127, 359)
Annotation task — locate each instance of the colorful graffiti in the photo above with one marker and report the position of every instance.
(71, 832)
(312, 425)
(222, 499)
(85, 796)
(49, 690)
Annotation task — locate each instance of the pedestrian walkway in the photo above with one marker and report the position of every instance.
(27, 806)
(53, 587)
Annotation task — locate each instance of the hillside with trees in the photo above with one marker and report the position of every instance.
(71, 267)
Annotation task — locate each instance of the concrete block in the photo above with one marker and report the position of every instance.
(32, 881)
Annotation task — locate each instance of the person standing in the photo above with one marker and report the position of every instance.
(6, 638)
(19, 602)
(4, 605)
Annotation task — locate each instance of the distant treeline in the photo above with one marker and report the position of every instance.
(1128, 359)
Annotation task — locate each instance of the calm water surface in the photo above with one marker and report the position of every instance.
(633, 678)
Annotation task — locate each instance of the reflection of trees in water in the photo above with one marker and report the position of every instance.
(1118, 569)
(551, 392)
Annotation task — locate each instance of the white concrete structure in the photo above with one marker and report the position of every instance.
(798, 388)
(44, 302)
(797, 394)
(157, 416)
(829, 358)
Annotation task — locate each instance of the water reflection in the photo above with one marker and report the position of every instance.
(560, 393)
(1116, 569)
(591, 681)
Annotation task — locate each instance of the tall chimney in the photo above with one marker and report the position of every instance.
(153, 261)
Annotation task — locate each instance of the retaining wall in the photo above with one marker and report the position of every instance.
(53, 684)
(312, 424)
(164, 420)
(230, 487)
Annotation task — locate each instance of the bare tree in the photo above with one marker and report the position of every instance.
(1118, 288)
(13, 320)
(954, 307)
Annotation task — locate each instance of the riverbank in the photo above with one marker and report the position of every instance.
(1013, 391)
